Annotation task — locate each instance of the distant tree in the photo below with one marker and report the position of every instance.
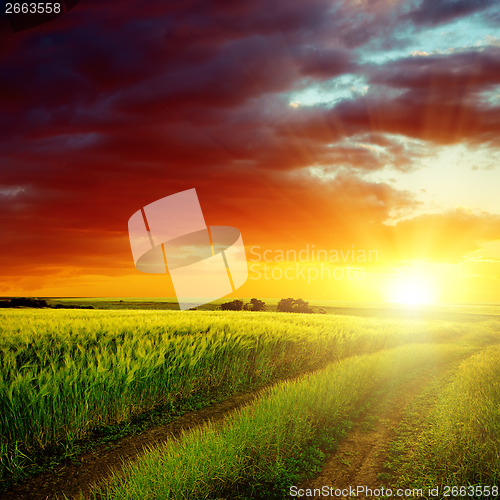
(285, 305)
(294, 305)
(301, 306)
(235, 305)
(255, 305)
(27, 302)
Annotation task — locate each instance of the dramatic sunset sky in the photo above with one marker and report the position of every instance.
(346, 126)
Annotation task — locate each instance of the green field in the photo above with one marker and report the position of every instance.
(67, 376)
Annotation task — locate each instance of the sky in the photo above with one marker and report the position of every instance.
(366, 129)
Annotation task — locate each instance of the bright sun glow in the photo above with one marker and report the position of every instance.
(412, 290)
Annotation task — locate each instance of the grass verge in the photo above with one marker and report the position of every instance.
(70, 375)
(261, 450)
(450, 437)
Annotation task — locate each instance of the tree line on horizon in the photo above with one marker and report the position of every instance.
(37, 303)
(284, 305)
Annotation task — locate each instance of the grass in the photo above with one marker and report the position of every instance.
(70, 375)
(66, 373)
(262, 450)
(456, 440)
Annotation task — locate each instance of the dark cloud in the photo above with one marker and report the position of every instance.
(453, 75)
(325, 64)
(433, 13)
(434, 98)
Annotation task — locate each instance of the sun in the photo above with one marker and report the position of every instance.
(412, 290)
